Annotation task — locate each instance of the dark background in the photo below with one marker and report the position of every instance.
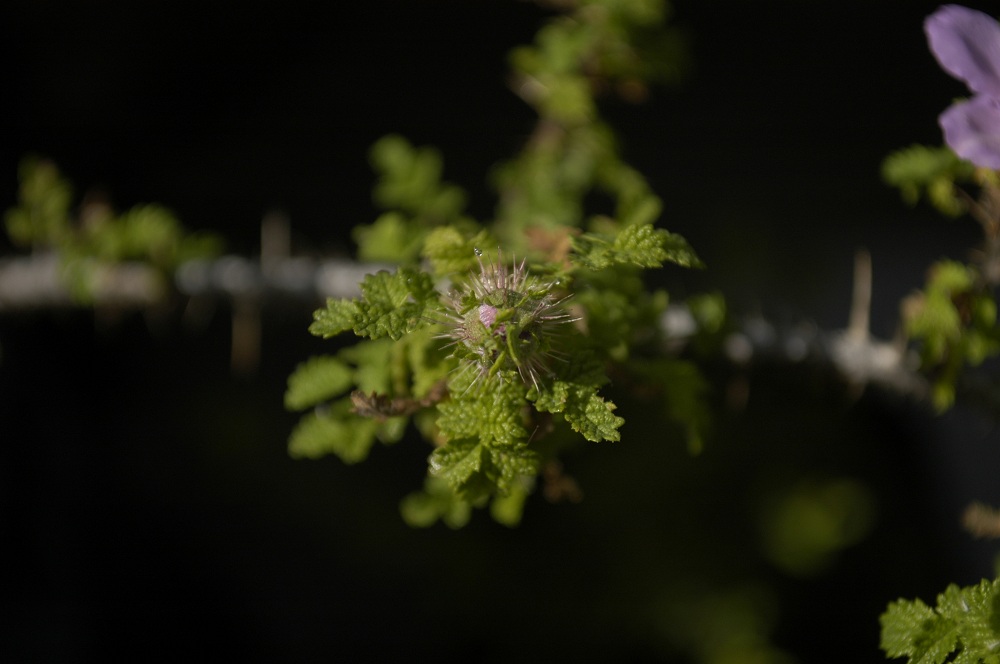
(147, 499)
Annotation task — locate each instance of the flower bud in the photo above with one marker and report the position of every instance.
(503, 321)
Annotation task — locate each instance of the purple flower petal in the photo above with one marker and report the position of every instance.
(966, 44)
(487, 315)
(972, 130)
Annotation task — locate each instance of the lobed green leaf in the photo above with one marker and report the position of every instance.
(337, 317)
(509, 509)
(491, 414)
(410, 180)
(901, 622)
(931, 171)
(348, 437)
(436, 501)
(586, 412)
(319, 379)
(639, 245)
(965, 620)
(451, 252)
(392, 304)
(392, 238)
(475, 470)
(374, 366)
(649, 247)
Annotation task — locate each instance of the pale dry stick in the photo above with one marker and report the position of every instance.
(862, 358)
(981, 521)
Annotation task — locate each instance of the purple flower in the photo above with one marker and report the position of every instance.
(966, 44)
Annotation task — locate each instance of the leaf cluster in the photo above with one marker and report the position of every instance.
(954, 321)
(544, 191)
(963, 627)
(920, 171)
(391, 305)
(416, 200)
(41, 218)
(493, 431)
(623, 45)
(487, 450)
(480, 427)
(347, 425)
(98, 237)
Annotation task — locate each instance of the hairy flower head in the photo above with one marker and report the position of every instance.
(502, 321)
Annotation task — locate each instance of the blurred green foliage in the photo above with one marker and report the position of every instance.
(931, 172)
(953, 319)
(97, 237)
(41, 218)
(804, 526)
(409, 187)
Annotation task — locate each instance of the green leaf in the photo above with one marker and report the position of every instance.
(392, 304)
(610, 318)
(410, 180)
(640, 245)
(375, 368)
(491, 414)
(44, 197)
(803, 527)
(592, 416)
(949, 277)
(567, 99)
(902, 622)
(594, 251)
(348, 437)
(929, 171)
(933, 317)
(642, 211)
(972, 609)
(319, 379)
(337, 317)
(932, 172)
(965, 619)
(437, 501)
(587, 413)
(921, 164)
(392, 238)
(150, 231)
(451, 252)
(552, 397)
(428, 360)
(508, 509)
(677, 250)
(649, 247)
(458, 462)
(476, 471)
(646, 246)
